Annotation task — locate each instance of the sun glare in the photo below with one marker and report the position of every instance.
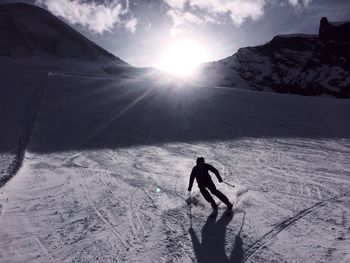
(181, 57)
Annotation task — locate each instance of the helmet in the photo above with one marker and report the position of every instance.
(200, 160)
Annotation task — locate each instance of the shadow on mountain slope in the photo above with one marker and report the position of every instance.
(64, 112)
(85, 113)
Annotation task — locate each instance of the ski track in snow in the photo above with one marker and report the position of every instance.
(135, 221)
(283, 226)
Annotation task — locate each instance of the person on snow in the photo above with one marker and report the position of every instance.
(200, 172)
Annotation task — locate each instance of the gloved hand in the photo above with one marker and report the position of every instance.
(189, 189)
(220, 180)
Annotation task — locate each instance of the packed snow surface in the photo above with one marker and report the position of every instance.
(105, 175)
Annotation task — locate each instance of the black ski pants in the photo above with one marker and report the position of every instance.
(212, 188)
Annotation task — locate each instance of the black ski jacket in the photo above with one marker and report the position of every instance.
(202, 175)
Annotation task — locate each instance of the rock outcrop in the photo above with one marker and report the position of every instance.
(297, 64)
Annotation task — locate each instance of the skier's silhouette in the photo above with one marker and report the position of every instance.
(212, 247)
(200, 172)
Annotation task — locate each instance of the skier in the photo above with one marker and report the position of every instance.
(200, 172)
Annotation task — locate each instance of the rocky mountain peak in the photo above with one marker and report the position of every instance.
(296, 63)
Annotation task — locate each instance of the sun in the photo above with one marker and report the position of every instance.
(181, 57)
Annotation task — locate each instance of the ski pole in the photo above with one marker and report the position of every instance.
(190, 208)
(229, 184)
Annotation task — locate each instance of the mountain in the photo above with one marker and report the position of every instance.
(328, 69)
(298, 64)
(30, 31)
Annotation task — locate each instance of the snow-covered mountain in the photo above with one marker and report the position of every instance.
(39, 39)
(27, 30)
(299, 64)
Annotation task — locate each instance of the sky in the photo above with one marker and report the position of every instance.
(138, 31)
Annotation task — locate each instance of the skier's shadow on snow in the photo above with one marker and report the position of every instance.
(212, 247)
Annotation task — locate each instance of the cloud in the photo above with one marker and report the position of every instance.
(178, 4)
(98, 18)
(236, 12)
(299, 3)
(214, 11)
(180, 19)
(131, 24)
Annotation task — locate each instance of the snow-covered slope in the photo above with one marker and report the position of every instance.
(19, 94)
(105, 175)
(297, 63)
(28, 30)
